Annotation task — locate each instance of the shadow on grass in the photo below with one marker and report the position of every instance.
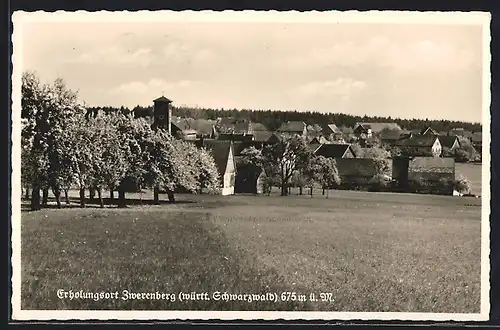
(142, 253)
(107, 202)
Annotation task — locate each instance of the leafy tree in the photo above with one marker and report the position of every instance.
(208, 177)
(325, 172)
(290, 154)
(462, 185)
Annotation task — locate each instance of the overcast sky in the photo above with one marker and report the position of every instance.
(398, 70)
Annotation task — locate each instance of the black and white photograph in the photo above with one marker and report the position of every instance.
(252, 165)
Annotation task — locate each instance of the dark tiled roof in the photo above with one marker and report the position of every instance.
(428, 130)
(162, 99)
(328, 129)
(418, 141)
(391, 134)
(220, 150)
(293, 126)
(356, 167)
(432, 164)
(447, 141)
(332, 150)
(314, 146)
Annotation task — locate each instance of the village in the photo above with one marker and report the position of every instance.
(420, 161)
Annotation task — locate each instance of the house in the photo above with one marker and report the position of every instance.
(334, 151)
(449, 142)
(391, 137)
(438, 174)
(355, 173)
(238, 126)
(331, 130)
(420, 145)
(223, 154)
(319, 140)
(187, 127)
(293, 127)
(374, 128)
(235, 137)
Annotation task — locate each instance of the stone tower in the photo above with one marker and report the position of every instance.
(162, 113)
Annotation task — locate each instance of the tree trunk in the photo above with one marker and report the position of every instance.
(111, 195)
(156, 195)
(300, 190)
(57, 194)
(171, 197)
(99, 195)
(45, 196)
(311, 191)
(66, 196)
(35, 198)
(82, 197)
(283, 190)
(323, 193)
(289, 190)
(121, 198)
(91, 193)
(27, 192)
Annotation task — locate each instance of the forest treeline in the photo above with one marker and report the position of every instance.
(272, 119)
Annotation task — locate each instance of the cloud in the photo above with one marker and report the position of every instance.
(116, 55)
(343, 87)
(416, 56)
(181, 52)
(139, 92)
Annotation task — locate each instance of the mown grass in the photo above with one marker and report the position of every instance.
(373, 252)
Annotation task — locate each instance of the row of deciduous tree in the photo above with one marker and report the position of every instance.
(62, 149)
(290, 162)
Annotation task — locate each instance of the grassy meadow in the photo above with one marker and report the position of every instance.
(370, 251)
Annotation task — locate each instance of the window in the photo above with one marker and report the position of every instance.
(161, 117)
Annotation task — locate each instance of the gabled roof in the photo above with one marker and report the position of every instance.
(447, 140)
(418, 141)
(201, 126)
(378, 127)
(314, 146)
(428, 130)
(220, 151)
(292, 126)
(333, 150)
(162, 99)
(328, 129)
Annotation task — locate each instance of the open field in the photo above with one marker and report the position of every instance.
(372, 251)
(473, 173)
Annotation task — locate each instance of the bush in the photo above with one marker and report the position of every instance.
(380, 182)
(462, 185)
